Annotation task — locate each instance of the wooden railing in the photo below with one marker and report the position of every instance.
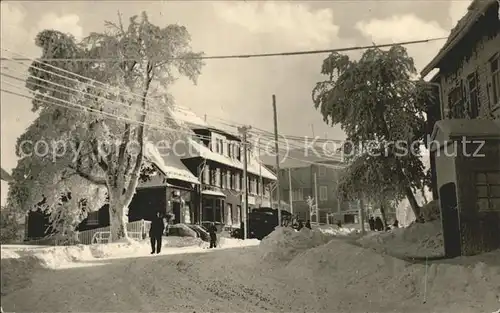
(135, 229)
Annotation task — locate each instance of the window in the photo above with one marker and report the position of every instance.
(472, 83)
(223, 179)
(217, 177)
(322, 171)
(229, 213)
(488, 191)
(297, 195)
(323, 193)
(238, 182)
(230, 149)
(228, 180)
(456, 102)
(93, 218)
(236, 216)
(495, 79)
(206, 175)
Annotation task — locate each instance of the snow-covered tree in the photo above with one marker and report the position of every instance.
(382, 111)
(96, 141)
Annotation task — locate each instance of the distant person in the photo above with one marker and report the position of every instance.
(308, 224)
(371, 222)
(212, 231)
(379, 225)
(156, 232)
(300, 225)
(396, 224)
(339, 223)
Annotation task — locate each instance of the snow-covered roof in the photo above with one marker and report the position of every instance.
(197, 149)
(477, 128)
(170, 164)
(183, 114)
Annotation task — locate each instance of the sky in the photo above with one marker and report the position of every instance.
(237, 90)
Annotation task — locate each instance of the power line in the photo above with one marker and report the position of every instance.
(121, 118)
(181, 109)
(244, 56)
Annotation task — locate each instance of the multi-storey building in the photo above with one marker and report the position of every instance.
(199, 180)
(215, 157)
(297, 172)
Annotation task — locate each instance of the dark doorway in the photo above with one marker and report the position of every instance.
(450, 220)
(176, 209)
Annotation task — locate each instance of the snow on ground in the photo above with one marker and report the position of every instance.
(337, 231)
(285, 243)
(288, 272)
(416, 240)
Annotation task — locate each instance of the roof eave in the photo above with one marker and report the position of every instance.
(459, 36)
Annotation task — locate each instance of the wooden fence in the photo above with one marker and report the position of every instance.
(137, 230)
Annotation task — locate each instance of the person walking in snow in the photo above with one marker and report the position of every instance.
(212, 231)
(379, 225)
(300, 226)
(371, 222)
(396, 224)
(308, 224)
(156, 232)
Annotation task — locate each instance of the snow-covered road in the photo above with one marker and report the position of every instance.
(219, 281)
(336, 277)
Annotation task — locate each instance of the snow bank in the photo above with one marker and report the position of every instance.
(359, 270)
(416, 240)
(285, 243)
(334, 230)
(225, 242)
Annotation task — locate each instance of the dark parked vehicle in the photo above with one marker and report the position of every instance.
(262, 222)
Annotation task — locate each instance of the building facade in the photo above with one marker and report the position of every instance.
(200, 180)
(297, 173)
(469, 65)
(468, 185)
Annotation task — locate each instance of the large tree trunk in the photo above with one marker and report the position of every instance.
(117, 217)
(384, 216)
(414, 204)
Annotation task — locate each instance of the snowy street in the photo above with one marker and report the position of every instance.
(298, 277)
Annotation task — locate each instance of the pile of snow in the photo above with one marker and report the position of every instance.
(225, 242)
(416, 240)
(334, 230)
(285, 243)
(338, 268)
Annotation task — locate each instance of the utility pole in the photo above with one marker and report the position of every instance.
(277, 160)
(312, 129)
(243, 214)
(290, 187)
(316, 202)
(362, 215)
(261, 181)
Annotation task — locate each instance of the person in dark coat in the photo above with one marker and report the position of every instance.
(379, 225)
(371, 222)
(308, 224)
(156, 232)
(396, 224)
(300, 226)
(212, 231)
